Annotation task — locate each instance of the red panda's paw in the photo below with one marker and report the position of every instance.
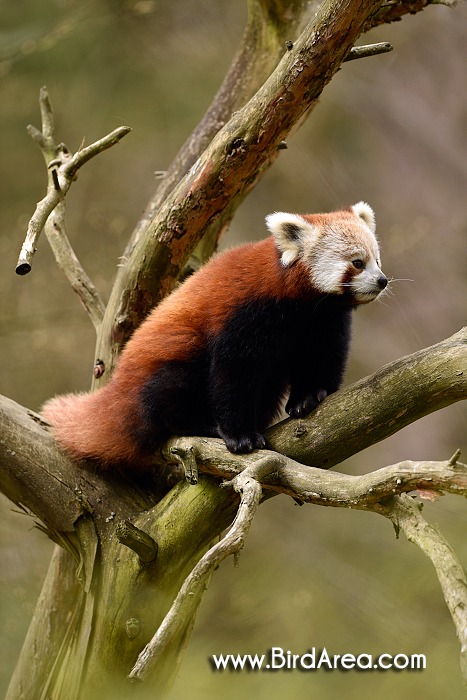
(245, 443)
(300, 409)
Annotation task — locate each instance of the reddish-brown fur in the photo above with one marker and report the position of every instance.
(98, 425)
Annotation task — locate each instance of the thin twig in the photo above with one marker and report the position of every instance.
(368, 50)
(47, 115)
(68, 262)
(62, 169)
(42, 212)
(187, 601)
(84, 154)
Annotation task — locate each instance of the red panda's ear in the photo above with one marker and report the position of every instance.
(365, 212)
(289, 231)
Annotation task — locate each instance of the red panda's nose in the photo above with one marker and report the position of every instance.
(382, 282)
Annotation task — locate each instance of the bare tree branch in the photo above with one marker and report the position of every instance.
(394, 10)
(370, 492)
(368, 50)
(404, 513)
(270, 24)
(190, 594)
(318, 486)
(62, 169)
(68, 262)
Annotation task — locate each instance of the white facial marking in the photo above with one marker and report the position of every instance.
(365, 286)
(342, 242)
(328, 265)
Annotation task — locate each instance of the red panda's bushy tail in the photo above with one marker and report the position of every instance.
(92, 426)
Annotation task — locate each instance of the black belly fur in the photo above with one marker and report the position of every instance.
(237, 381)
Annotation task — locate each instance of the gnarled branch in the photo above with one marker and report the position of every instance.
(190, 594)
(62, 167)
(68, 262)
(405, 515)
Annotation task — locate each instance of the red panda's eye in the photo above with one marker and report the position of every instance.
(359, 264)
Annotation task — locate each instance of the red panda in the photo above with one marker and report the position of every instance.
(219, 354)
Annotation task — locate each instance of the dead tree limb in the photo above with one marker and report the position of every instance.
(405, 515)
(62, 168)
(189, 597)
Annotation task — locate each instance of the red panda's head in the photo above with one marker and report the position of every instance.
(339, 250)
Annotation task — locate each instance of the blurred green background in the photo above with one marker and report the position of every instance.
(391, 130)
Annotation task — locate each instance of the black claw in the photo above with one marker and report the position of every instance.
(300, 409)
(245, 443)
